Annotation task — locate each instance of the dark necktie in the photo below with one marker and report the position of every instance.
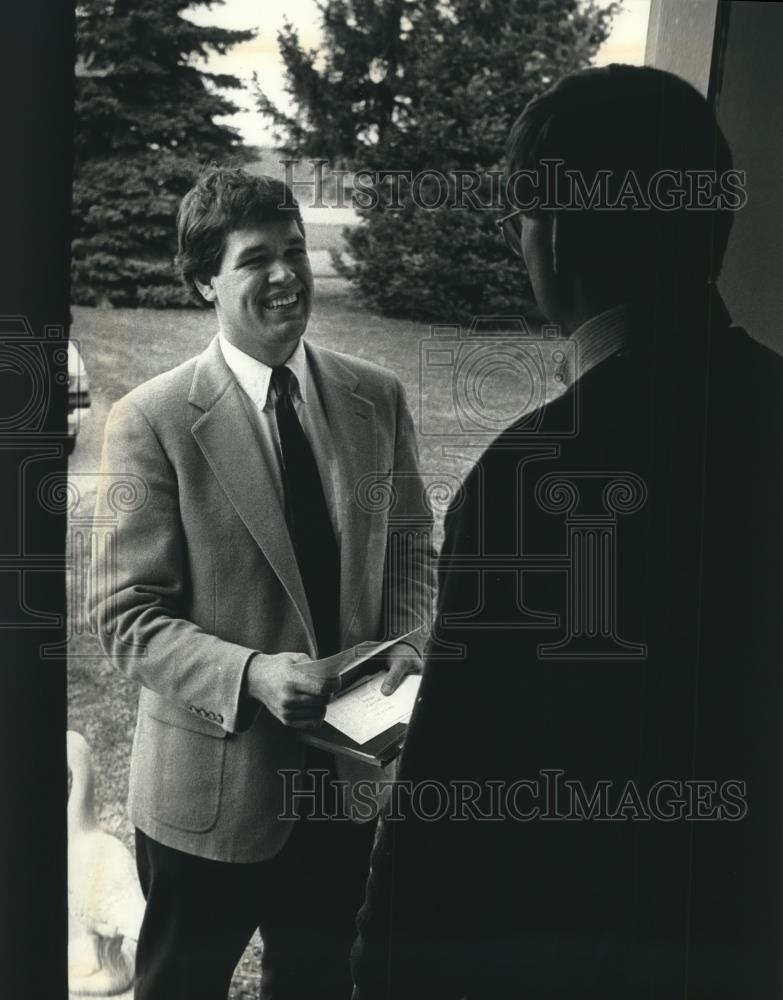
(308, 520)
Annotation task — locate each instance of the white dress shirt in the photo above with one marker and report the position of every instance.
(597, 340)
(255, 380)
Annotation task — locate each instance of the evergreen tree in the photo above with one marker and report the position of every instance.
(422, 85)
(144, 125)
(341, 108)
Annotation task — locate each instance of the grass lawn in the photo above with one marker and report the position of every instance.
(122, 348)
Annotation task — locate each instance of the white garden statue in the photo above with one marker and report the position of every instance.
(105, 903)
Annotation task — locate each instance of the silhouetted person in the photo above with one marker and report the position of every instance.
(652, 490)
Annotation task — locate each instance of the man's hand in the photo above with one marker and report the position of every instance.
(402, 660)
(296, 698)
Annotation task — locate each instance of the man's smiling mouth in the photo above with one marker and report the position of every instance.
(283, 301)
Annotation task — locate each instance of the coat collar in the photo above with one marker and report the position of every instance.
(353, 426)
(212, 375)
(225, 435)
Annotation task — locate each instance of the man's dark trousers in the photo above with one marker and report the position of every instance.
(201, 914)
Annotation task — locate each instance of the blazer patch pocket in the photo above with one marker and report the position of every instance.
(189, 769)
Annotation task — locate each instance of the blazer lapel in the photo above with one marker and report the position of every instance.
(226, 437)
(352, 423)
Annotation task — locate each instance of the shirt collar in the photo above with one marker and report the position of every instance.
(298, 365)
(597, 340)
(254, 377)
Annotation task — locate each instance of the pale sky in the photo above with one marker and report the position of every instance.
(625, 44)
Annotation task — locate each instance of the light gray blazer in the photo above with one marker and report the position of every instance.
(194, 572)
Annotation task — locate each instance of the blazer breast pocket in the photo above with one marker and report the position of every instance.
(185, 772)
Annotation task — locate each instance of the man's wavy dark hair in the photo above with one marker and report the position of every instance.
(620, 118)
(222, 200)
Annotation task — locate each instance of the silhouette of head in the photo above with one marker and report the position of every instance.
(635, 190)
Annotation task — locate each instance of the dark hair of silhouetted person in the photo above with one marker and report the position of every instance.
(618, 119)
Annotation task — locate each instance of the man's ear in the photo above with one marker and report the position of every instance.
(556, 240)
(206, 289)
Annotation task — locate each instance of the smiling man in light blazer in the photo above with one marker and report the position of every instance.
(250, 552)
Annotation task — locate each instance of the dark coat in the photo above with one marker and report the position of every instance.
(681, 681)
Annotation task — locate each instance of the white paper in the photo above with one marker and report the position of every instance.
(363, 712)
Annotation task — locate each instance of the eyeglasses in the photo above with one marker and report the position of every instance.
(511, 228)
